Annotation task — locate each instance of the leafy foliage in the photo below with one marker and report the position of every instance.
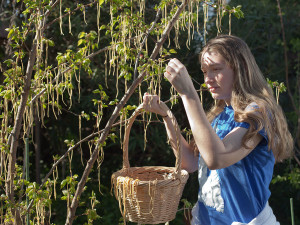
(82, 59)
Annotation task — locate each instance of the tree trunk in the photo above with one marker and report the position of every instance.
(15, 135)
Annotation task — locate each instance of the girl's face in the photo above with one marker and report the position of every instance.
(218, 76)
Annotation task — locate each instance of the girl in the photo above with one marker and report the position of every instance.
(238, 140)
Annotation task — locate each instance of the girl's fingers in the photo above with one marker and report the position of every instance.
(167, 75)
(152, 103)
(174, 66)
(150, 99)
(145, 97)
(175, 61)
(170, 69)
(154, 99)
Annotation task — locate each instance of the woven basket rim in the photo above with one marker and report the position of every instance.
(122, 174)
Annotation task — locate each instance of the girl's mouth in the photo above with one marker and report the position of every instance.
(213, 89)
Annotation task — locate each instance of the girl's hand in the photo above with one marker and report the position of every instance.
(152, 103)
(178, 76)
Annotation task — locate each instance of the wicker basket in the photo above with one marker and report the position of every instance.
(150, 194)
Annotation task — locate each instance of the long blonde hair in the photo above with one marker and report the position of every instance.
(250, 86)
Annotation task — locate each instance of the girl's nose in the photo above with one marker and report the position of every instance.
(209, 77)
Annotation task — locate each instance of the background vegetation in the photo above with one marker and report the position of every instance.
(84, 100)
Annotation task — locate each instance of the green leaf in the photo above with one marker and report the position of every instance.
(92, 214)
(81, 41)
(94, 33)
(10, 32)
(9, 62)
(113, 137)
(63, 183)
(238, 12)
(131, 107)
(204, 85)
(101, 2)
(51, 43)
(81, 35)
(114, 102)
(64, 198)
(102, 27)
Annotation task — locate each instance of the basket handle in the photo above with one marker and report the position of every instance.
(178, 149)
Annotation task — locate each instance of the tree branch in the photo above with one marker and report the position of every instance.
(286, 61)
(16, 131)
(130, 91)
(52, 6)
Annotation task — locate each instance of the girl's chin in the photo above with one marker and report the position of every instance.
(218, 97)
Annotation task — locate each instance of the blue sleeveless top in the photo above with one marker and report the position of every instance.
(237, 193)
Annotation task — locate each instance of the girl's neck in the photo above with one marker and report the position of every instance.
(227, 102)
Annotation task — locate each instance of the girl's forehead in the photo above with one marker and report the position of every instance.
(210, 58)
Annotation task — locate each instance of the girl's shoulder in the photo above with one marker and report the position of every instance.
(253, 106)
(257, 110)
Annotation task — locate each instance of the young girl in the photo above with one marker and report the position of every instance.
(238, 140)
